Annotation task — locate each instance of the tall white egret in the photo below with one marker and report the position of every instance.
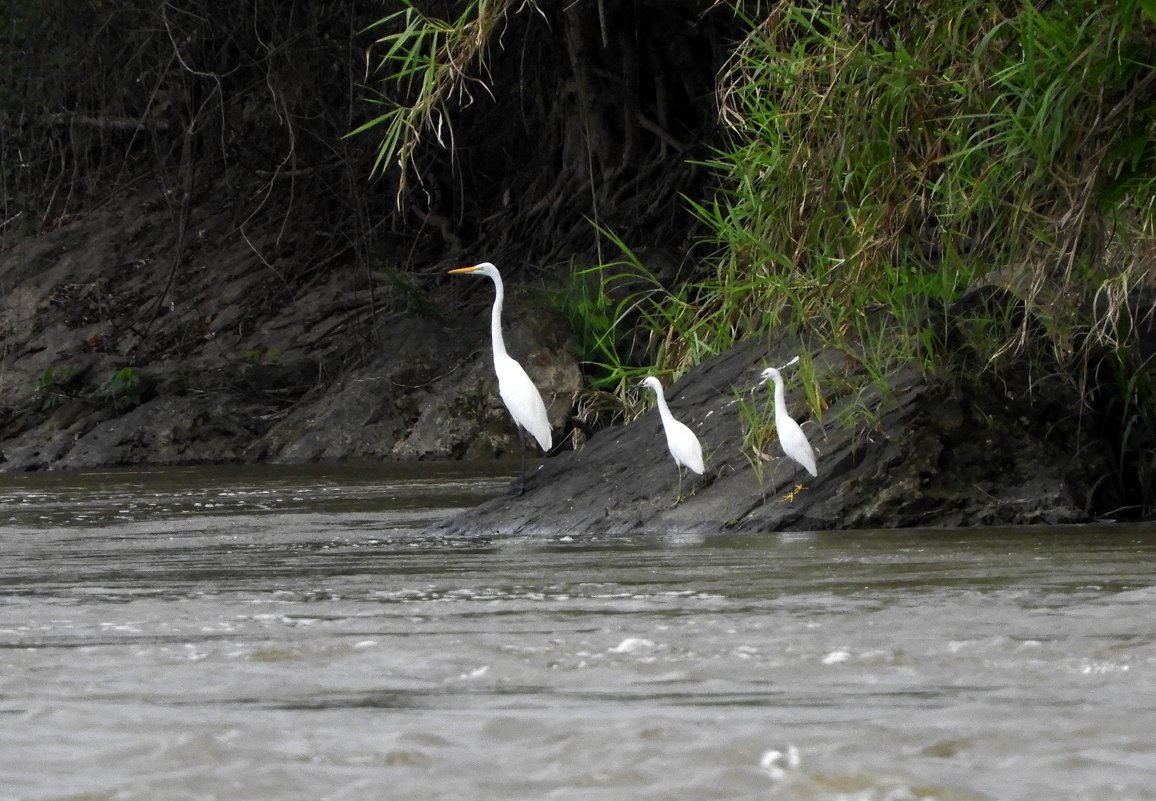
(791, 437)
(683, 444)
(518, 392)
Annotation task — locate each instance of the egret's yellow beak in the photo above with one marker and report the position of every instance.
(464, 270)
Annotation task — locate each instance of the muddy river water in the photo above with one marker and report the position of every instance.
(286, 634)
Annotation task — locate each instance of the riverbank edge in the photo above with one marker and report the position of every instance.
(921, 452)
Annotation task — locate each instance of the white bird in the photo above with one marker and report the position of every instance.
(518, 392)
(683, 444)
(791, 437)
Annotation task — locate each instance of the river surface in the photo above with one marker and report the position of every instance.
(292, 634)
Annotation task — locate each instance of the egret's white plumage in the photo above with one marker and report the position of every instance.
(683, 444)
(518, 392)
(791, 437)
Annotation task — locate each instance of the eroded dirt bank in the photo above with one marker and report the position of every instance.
(113, 355)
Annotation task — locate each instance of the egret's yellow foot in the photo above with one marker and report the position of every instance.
(790, 496)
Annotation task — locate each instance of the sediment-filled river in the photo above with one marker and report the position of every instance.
(289, 634)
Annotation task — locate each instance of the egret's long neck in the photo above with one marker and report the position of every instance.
(496, 319)
(780, 400)
(663, 409)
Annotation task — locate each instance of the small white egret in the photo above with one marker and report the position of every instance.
(791, 437)
(517, 390)
(683, 444)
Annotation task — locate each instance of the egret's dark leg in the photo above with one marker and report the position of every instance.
(797, 488)
(678, 498)
(522, 439)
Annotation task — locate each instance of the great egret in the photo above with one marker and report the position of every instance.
(683, 444)
(791, 437)
(517, 390)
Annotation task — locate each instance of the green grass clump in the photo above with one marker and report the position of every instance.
(425, 64)
(622, 312)
(892, 168)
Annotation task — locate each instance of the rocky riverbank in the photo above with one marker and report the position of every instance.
(113, 355)
(925, 453)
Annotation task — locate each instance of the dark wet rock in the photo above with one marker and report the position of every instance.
(997, 450)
